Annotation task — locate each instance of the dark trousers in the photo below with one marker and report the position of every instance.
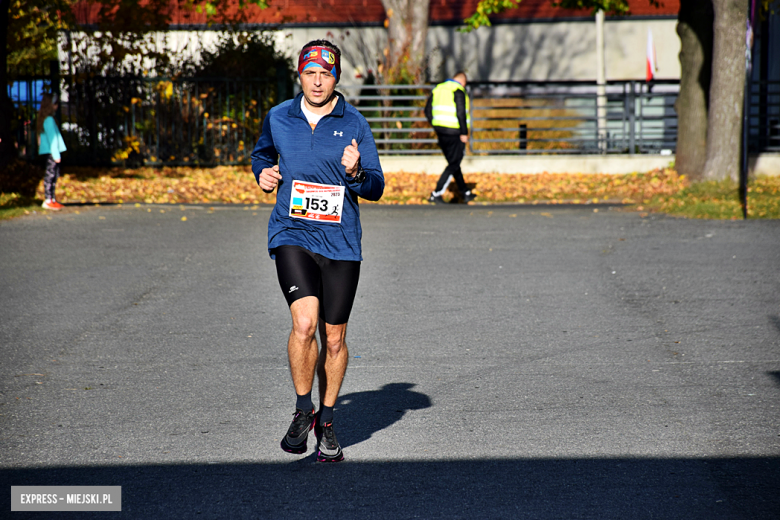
(51, 176)
(453, 150)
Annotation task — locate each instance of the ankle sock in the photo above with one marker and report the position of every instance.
(303, 402)
(326, 414)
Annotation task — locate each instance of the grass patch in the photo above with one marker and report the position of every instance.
(720, 200)
(13, 205)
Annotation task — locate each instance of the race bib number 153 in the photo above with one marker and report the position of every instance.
(316, 202)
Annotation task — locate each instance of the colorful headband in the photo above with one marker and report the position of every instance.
(320, 57)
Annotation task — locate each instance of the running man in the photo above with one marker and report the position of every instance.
(326, 159)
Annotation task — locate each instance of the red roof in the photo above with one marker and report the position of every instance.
(452, 11)
(371, 12)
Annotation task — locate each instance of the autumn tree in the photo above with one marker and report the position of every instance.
(694, 27)
(119, 37)
(407, 28)
(727, 90)
(29, 34)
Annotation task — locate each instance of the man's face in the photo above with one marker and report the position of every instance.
(318, 85)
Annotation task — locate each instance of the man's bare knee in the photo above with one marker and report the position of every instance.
(304, 316)
(335, 348)
(304, 327)
(335, 339)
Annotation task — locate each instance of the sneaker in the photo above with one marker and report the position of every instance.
(468, 197)
(298, 433)
(51, 204)
(56, 205)
(328, 449)
(436, 199)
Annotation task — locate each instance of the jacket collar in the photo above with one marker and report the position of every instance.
(338, 110)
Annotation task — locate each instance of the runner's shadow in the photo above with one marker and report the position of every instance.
(775, 319)
(361, 414)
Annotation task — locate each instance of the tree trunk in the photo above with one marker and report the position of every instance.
(7, 144)
(694, 27)
(407, 28)
(724, 128)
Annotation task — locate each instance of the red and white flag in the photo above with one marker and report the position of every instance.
(651, 62)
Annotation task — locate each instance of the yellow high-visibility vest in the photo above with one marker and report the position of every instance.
(443, 105)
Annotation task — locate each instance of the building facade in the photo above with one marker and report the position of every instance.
(533, 42)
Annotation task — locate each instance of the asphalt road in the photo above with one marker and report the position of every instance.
(505, 362)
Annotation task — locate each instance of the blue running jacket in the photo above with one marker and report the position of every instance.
(315, 156)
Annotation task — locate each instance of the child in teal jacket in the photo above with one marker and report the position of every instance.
(50, 145)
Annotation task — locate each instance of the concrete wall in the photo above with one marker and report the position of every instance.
(520, 52)
(763, 164)
(607, 164)
(527, 51)
(555, 51)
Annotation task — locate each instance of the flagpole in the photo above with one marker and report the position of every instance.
(601, 81)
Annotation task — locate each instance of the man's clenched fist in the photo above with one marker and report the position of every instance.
(350, 158)
(269, 178)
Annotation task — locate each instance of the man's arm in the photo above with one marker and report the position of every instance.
(460, 109)
(373, 185)
(429, 108)
(264, 158)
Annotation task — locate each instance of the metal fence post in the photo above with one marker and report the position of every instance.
(281, 84)
(157, 125)
(631, 120)
(89, 93)
(54, 72)
(523, 136)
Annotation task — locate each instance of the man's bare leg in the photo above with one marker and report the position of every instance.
(302, 353)
(333, 360)
(302, 345)
(331, 367)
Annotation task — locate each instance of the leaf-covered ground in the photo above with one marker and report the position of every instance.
(659, 190)
(236, 185)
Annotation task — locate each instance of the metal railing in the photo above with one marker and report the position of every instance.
(395, 114)
(565, 118)
(764, 117)
(206, 121)
(183, 121)
(531, 117)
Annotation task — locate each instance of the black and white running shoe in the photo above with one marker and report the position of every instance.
(436, 199)
(328, 449)
(298, 433)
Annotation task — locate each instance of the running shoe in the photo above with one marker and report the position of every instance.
(298, 433)
(52, 205)
(436, 199)
(328, 449)
(468, 197)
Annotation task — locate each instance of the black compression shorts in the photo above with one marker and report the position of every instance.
(334, 282)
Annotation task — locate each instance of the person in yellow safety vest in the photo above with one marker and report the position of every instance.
(447, 109)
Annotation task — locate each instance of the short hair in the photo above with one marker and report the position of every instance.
(460, 73)
(323, 43)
